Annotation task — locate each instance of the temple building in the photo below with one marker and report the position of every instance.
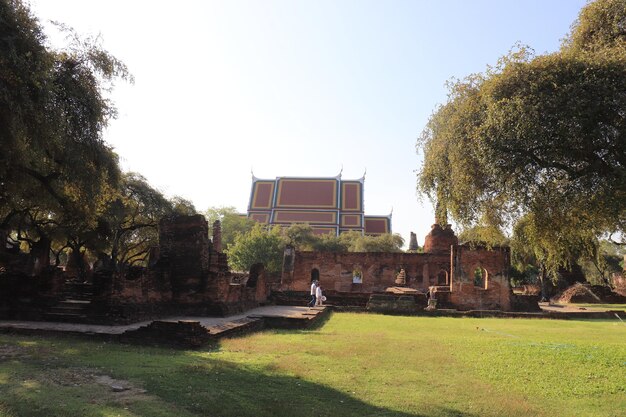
(328, 205)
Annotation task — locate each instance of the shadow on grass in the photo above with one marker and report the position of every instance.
(221, 388)
(179, 383)
(321, 321)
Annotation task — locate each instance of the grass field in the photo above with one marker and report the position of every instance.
(352, 365)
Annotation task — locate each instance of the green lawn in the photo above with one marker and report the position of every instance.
(353, 365)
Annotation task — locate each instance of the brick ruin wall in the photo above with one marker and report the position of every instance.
(450, 275)
(378, 270)
(187, 276)
(494, 292)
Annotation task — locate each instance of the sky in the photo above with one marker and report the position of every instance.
(295, 88)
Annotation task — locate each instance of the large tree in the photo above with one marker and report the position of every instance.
(56, 171)
(132, 218)
(539, 142)
(232, 223)
(259, 245)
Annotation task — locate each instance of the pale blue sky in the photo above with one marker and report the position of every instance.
(296, 88)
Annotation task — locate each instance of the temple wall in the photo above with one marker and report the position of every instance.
(185, 253)
(189, 274)
(494, 293)
(451, 275)
(378, 270)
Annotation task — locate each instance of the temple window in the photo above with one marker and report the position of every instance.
(315, 274)
(442, 277)
(480, 277)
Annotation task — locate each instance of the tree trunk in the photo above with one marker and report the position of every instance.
(543, 279)
(4, 234)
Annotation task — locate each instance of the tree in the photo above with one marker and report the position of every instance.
(607, 260)
(485, 233)
(56, 172)
(381, 243)
(329, 242)
(132, 218)
(300, 236)
(52, 113)
(232, 223)
(259, 245)
(182, 207)
(538, 143)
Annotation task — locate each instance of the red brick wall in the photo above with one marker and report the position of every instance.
(496, 294)
(378, 270)
(189, 272)
(439, 239)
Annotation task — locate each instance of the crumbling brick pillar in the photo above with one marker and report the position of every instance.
(413, 242)
(288, 265)
(217, 236)
(440, 239)
(185, 247)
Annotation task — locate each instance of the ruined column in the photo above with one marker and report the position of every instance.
(413, 242)
(288, 265)
(217, 236)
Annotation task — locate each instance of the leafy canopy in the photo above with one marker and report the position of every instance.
(60, 182)
(538, 143)
(266, 245)
(232, 223)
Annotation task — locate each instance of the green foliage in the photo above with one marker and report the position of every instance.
(484, 234)
(607, 260)
(536, 144)
(232, 223)
(183, 207)
(61, 183)
(132, 219)
(266, 245)
(522, 274)
(328, 242)
(52, 113)
(381, 243)
(600, 26)
(259, 245)
(299, 236)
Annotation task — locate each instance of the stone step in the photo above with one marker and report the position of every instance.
(236, 326)
(58, 310)
(78, 286)
(77, 296)
(69, 309)
(71, 306)
(76, 302)
(66, 317)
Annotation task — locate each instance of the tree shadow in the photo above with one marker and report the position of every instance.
(321, 321)
(221, 388)
(179, 383)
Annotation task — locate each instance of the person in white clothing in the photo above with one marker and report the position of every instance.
(318, 296)
(313, 293)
